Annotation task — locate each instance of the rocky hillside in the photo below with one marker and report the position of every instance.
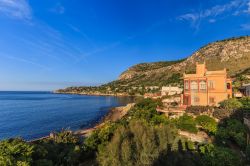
(233, 54)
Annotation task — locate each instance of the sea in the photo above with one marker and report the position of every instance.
(31, 115)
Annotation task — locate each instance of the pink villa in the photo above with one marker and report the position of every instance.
(206, 87)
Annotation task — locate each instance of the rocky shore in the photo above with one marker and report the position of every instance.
(114, 114)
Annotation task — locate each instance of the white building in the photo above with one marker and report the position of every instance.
(245, 89)
(170, 91)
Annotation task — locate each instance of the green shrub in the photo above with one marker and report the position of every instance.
(146, 110)
(219, 156)
(15, 152)
(187, 123)
(100, 137)
(48, 151)
(232, 129)
(248, 154)
(231, 104)
(245, 101)
(221, 113)
(65, 136)
(207, 123)
(190, 145)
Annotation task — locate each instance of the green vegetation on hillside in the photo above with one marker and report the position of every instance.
(142, 67)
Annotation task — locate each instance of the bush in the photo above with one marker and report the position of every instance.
(48, 151)
(100, 137)
(65, 136)
(146, 110)
(234, 130)
(207, 123)
(187, 123)
(231, 104)
(245, 101)
(15, 152)
(248, 154)
(219, 156)
(221, 113)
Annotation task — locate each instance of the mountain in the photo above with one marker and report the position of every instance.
(232, 54)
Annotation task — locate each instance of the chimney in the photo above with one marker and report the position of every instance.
(200, 68)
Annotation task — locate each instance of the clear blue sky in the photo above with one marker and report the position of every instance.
(50, 44)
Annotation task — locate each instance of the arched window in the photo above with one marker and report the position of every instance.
(194, 85)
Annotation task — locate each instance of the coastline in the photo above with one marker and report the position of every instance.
(98, 94)
(113, 115)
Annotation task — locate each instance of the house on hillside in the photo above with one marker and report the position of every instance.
(245, 89)
(206, 87)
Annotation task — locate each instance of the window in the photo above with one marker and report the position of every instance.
(186, 100)
(203, 86)
(228, 86)
(186, 85)
(194, 85)
(196, 99)
(211, 84)
(211, 100)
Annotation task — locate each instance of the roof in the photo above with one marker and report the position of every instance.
(218, 72)
(244, 85)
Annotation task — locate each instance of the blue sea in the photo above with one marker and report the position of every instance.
(32, 115)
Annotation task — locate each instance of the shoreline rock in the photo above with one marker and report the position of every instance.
(113, 115)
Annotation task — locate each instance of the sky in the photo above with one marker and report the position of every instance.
(51, 44)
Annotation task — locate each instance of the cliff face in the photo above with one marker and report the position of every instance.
(233, 54)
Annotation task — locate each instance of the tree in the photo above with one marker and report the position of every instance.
(245, 101)
(15, 152)
(234, 130)
(221, 113)
(231, 104)
(146, 109)
(248, 154)
(137, 144)
(219, 156)
(187, 123)
(99, 137)
(207, 123)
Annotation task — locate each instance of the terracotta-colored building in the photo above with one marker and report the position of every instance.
(206, 87)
